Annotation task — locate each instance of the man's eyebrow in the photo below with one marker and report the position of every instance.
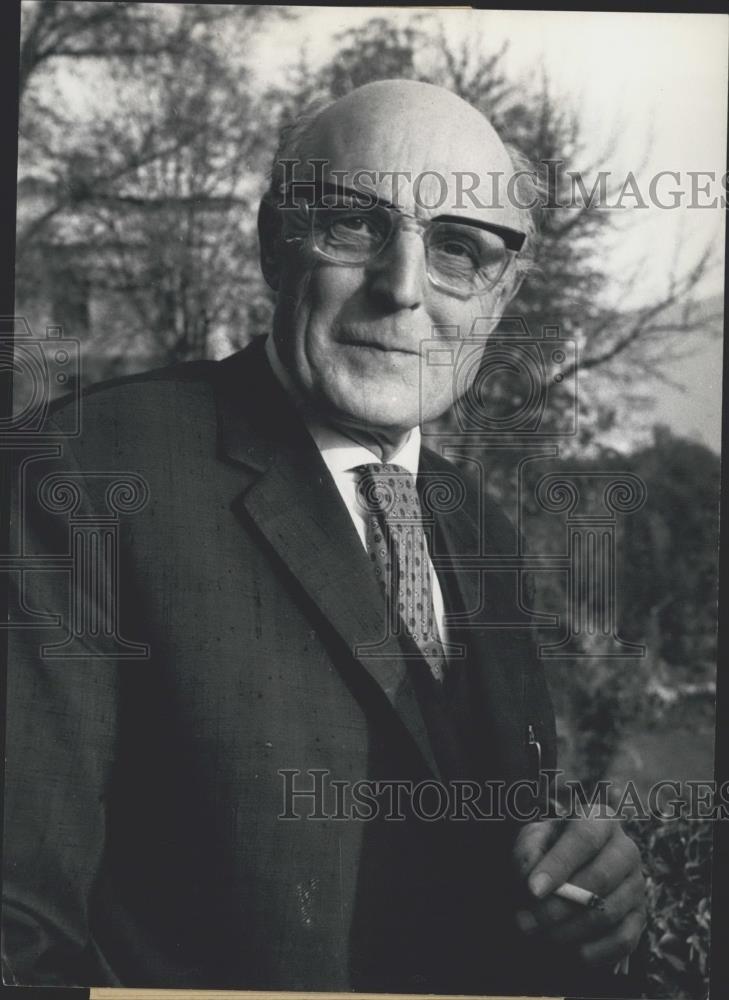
(491, 227)
(368, 193)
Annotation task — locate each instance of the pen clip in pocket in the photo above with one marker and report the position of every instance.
(535, 752)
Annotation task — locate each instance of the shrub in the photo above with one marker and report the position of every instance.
(677, 860)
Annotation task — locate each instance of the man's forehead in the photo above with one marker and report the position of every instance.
(420, 156)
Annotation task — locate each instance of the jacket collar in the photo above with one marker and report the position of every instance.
(294, 504)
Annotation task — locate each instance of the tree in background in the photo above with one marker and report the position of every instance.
(147, 194)
(673, 545)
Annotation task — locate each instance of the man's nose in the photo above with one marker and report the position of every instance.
(398, 274)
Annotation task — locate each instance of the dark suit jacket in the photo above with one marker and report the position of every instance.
(143, 844)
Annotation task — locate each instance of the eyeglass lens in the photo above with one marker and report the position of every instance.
(459, 256)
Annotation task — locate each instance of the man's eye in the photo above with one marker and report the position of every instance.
(456, 248)
(355, 223)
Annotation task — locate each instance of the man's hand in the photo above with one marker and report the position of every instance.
(593, 853)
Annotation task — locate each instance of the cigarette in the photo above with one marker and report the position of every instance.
(579, 895)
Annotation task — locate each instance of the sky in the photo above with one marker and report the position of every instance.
(657, 83)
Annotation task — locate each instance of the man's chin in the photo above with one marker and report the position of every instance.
(388, 420)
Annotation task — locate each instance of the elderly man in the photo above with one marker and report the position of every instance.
(225, 810)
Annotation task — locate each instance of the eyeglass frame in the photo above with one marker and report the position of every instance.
(513, 239)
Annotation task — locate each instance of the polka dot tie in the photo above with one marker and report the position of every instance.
(397, 547)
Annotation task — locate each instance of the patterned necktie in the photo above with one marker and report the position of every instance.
(397, 547)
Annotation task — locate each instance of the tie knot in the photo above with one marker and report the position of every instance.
(389, 490)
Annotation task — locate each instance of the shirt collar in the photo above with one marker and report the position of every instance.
(340, 453)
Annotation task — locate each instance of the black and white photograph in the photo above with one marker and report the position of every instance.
(363, 463)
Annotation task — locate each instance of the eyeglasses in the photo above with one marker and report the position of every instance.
(462, 258)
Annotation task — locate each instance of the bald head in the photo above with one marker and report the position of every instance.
(408, 126)
(421, 146)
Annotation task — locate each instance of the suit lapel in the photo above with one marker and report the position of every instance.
(296, 507)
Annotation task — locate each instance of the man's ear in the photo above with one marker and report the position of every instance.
(269, 242)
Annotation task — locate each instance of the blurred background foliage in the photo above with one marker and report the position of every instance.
(144, 148)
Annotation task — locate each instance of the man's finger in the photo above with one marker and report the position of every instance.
(533, 842)
(579, 841)
(612, 865)
(569, 923)
(615, 862)
(594, 925)
(622, 941)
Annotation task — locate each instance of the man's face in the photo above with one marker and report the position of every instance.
(352, 336)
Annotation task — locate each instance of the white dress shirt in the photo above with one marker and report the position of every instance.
(342, 455)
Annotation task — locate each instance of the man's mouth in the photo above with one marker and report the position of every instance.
(384, 347)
